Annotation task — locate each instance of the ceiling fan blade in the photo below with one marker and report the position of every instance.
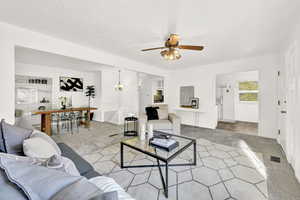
(153, 48)
(191, 47)
(173, 39)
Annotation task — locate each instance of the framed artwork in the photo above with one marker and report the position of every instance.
(70, 84)
(195, 103)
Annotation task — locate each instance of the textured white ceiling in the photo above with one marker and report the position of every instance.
(228, 29)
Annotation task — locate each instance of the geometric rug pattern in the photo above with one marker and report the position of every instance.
(222, 172)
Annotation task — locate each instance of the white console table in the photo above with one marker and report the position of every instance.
(196, 113)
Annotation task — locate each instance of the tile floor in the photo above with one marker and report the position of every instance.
(230, 166)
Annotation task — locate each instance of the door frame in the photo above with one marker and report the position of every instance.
(288, 98)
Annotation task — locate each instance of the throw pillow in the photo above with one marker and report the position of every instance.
(55, 162)
(163, 113)
(152, 113)
(44, 136)
(13, 137)
(37, 147)
(44, 183)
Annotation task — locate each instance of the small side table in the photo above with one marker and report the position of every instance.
(130, 126)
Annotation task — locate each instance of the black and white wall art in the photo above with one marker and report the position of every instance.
(70, 84)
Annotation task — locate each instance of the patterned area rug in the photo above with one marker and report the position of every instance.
(222, 172)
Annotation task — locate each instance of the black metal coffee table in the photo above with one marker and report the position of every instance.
(160, 155)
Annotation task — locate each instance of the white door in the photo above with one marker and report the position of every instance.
(228, 104)
(288, 118)
(281, 109)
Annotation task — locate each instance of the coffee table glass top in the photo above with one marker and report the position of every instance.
(143, 146)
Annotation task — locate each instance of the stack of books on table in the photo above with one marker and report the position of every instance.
(165, 144)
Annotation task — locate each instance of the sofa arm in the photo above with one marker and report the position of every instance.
(142, 120)
(176, 123)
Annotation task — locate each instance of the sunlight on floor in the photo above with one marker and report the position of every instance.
(259, 165)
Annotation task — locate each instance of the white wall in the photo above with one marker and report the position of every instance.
(117, 104)
(242, 111)
(204, 80)
(7, 80)
(11, 36)
(78, 98)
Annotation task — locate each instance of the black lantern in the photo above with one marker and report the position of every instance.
(130, 126)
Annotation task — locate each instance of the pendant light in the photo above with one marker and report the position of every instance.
(119, 86)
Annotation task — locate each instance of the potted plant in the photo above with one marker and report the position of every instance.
(63, 102)
(90, 93)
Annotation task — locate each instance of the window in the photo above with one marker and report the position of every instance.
(248, 91)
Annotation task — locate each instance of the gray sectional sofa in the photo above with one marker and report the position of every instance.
(46, 183)
(85, 169)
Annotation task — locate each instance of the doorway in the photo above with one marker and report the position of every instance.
(237, 97)
(151, 90)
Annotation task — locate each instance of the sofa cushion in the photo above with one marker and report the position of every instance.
(151, 113)
(160, 124)
(13, 138)
(83, 166)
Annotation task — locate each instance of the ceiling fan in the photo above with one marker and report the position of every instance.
(171, 46)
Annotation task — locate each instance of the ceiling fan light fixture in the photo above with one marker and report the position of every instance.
(171, 46)
(171, 54)
(175, 54)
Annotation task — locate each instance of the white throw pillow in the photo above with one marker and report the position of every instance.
(162, 113)
(37, 147)
(44, 136)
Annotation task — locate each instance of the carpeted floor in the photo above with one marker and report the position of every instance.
(222, 172)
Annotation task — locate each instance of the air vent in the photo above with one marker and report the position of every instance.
(275, 159)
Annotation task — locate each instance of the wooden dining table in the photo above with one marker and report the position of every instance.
(46, 120)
